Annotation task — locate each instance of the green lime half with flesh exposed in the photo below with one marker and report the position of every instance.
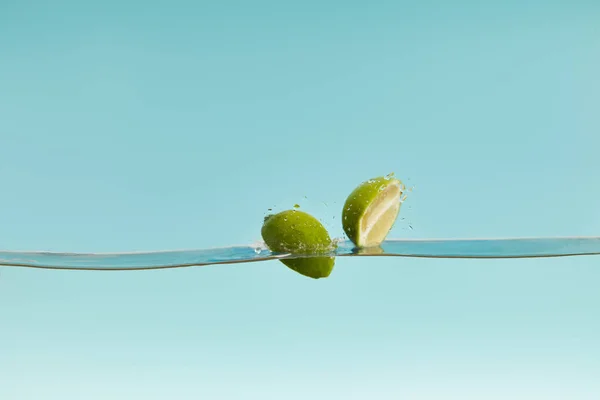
(371, 210)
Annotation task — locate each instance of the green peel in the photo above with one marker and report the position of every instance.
(297, 232)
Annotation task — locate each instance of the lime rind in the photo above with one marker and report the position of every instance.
(299, 233)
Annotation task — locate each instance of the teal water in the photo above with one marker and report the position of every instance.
(143, 126)
(455, 248)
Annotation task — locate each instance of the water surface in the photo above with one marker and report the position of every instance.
(443, 248)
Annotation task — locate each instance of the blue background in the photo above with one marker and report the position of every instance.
(176, 124)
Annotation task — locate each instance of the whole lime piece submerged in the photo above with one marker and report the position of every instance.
(297, 232)
(371, 210)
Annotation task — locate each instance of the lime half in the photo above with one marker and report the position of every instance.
(297, 232)
(371, 210)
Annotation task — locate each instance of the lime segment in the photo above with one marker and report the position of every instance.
(371, 210)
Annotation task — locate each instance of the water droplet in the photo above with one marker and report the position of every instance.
(270, 209)
(257, 250)
(410, 226)
(296, 205)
